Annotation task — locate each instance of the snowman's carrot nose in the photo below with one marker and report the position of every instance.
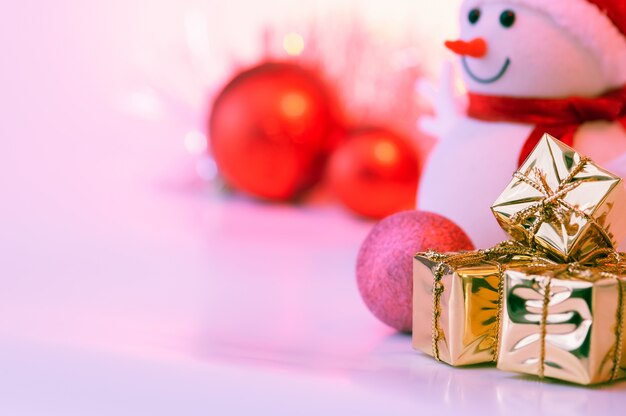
(476, 48)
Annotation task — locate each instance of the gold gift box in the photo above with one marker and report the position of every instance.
(564, 203)
(564, 322)
(456, 318)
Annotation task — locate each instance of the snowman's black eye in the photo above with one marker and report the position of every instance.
(473, 16)
(507, 18)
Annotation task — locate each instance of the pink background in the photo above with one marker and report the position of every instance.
(129, 286)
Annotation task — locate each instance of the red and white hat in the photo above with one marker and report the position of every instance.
(600, 25)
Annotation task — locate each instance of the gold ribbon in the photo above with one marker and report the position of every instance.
(552, 206)
(544, 327)
(619, 332)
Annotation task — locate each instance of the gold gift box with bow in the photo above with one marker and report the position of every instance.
(457, 302)
(563, 203)
(550, 302)
(565, 322)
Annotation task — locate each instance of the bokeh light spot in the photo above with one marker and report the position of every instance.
(293, 43)
(385, 152)
(294, 105)
(195, 142)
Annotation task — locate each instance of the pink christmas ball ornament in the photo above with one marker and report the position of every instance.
(385, 261)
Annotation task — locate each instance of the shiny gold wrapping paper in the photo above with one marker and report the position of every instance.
(468, 308)
(563, 203)
(564, 324)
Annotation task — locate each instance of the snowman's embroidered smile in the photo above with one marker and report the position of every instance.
(485, 80)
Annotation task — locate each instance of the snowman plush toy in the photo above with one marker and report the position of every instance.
(529, 67)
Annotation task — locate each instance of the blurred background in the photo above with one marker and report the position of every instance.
(113, 217)
(135, 279)
(138, 278)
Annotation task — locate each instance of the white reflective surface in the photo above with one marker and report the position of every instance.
(128, 288)
(199, 306)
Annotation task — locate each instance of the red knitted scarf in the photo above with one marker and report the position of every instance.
(559, 117)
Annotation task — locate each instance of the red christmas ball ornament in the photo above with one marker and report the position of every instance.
(374, 173)
(385, 261)
(271, 129)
